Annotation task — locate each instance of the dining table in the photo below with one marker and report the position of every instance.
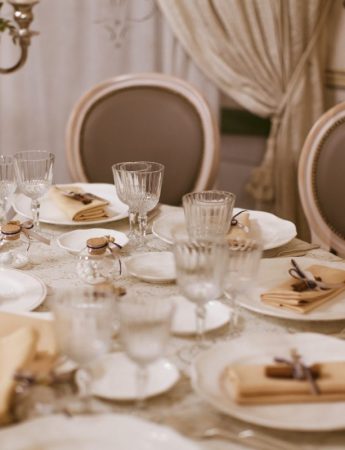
(181, 408)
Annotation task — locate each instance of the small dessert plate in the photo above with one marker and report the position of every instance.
(75, 241)
(153, 267)
(114, 377)
(184, 321)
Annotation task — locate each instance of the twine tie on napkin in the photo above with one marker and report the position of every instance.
(309, 281)
(298, 370)
(236, 222)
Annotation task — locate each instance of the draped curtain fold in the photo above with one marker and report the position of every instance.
(268, 56)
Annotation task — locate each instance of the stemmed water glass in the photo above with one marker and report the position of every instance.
(145, 324)
(139, 184)
(200, 271)
(84, 319)
(34, 172)
(240, 278)
(7, 185)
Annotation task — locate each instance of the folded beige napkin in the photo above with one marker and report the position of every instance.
(241, 230)
(75, 209)
(284, 296)
(27, 345)
(16, 350)
(46, 341)
(249, 385)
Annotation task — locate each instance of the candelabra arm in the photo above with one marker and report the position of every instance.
(23, 16)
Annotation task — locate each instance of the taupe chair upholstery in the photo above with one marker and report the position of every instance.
(321, 180)
(150, 117)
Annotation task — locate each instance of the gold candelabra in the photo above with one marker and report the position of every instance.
(23, 16)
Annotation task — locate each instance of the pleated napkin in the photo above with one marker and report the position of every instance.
(75, 209)
(27, 345)
(16, 350)
(284, 296)
(249, 385)
(46, 341)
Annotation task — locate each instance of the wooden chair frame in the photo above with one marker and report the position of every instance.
(322, 232)
(210, 160)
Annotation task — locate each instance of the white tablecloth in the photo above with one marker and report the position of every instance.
(181, 407)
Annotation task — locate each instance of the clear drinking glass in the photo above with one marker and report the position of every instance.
(34, 172)
(208, 214)
(139, 184)
(145, 324)
(240, 278)
(7, 185)
(84, 320)
(200, 271)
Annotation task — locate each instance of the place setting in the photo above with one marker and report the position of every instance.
(282, 290)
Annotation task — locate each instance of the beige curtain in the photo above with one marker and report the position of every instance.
(268, 56)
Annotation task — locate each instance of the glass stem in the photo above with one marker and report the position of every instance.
(132, 216)
(84, 385)
(200, 324)
(142, 221)
(142, 380)
(35, 210)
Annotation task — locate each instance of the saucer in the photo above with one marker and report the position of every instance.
(153, 267)
(114, 377)
(184, 322)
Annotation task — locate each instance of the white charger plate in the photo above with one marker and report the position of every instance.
(20, 291)
(274, 271)
(274, 230)
(184, 322)
(208, 367)
(50, 213)
(114, 377)
(102, 431)
(74, 241)
(153, 267)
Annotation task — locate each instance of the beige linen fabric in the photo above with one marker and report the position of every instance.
(268, 56)
(248, 384)
(76, 210)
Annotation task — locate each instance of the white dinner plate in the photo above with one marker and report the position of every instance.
(50, 213)
(20, 291)
(209, 366)
(94, 432)
(114, 377)
(274, 271)
(275, 231)
(74, 241)
(184, 321)
(153, 267)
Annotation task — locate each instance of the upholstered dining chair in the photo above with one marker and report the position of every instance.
(151, 117)
(321, 180)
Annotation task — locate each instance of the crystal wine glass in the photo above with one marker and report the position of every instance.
(139, 186)
(7, 185)
(34, 172)
(84, 320)
(200, 271)
(145, 324)
(208, 214)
